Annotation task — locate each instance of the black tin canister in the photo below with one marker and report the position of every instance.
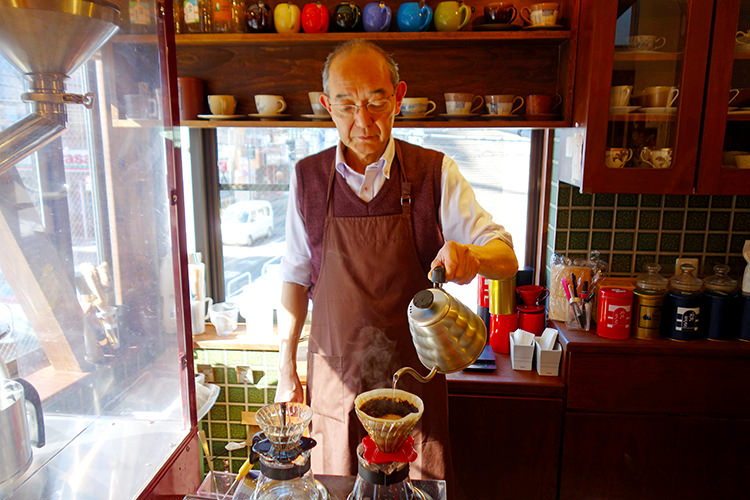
(682, 306)
(745, 319)
(720, 316)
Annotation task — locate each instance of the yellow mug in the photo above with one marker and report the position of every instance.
(286, 18)
(452, 16)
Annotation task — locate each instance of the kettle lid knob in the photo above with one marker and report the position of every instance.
(423, 299)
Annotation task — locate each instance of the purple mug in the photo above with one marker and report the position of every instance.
(376, 17)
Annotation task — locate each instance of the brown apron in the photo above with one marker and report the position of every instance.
(360, 336)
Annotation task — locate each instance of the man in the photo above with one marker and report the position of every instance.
(367, 220)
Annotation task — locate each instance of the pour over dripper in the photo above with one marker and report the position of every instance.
(284, 423)
(388, 434)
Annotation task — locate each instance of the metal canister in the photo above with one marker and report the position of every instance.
(651, 288)
(503, 296)
(483, 300)
(614, 313)
(721, 308)
(745, 319)
(682, 306)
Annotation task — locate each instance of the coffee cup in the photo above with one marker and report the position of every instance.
(417, 106)
(287, 18)
(315, 104)
(531, 295)
(413, 16)
(619, 95)
(742, 161)
(190, 97)
(223, 316)
(452, 16)
(617, 157)
(462, 103)
(657, 158)
(728, 158)
(500, 13)
(733, 93)
(659, 96)
(258, 17)
(503, 104)
(347, 17)
(222, 104)
(541, 14)
(646, 42)
(314, 18)
(198, 313)
(140, 107)
(376, 17)
(269, 104)
(542, 104)
(742, 99)
(742, 41)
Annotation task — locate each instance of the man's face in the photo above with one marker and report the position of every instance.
(361, 77)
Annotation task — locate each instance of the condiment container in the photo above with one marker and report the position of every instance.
(650, 290)
(721, 306)
(682, 305)
(613, 316)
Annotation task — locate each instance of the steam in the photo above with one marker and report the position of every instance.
(379, 359)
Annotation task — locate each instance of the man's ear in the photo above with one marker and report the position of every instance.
(325, 102)
(400, 92)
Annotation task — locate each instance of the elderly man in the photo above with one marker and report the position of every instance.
(367, 220)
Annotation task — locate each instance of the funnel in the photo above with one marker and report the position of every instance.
(389, 432)
(284, 423)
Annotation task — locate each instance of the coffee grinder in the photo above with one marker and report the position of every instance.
(384, 455)
(284, 454)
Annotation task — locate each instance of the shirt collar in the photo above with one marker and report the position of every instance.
(383, 164)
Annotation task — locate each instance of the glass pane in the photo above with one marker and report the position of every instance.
(87, 289)
(254, 169)
(644, 97)
(736, 149)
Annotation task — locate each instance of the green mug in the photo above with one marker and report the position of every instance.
(452, 16)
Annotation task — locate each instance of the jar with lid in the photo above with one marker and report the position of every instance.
(721, 306)
(650, 290)
(682, 305)
(228, 16)
(196, 16)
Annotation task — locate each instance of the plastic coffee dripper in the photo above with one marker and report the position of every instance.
(388, 434)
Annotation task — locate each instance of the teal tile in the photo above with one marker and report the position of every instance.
(696, 221)
(235, 413)
(741, 222)
(693, 242)
(237, 431)
(667, 264)
(623, 241)
(737, 265)
(236, 395)
(603, 219)
(219, 449)
(577, 255)
(625, 219)
(642, 260)
(717, 242)
(670, 243)
(578, 240)
(255, 396)
(215, 357)
(220, 375)
(563, 199)
(719, 221)
(627, 200)
(270, 378)
(651, 200)
(600, 240)
(232, 375)
(563, 216)
(604, 200)
(721, 202)
(647, 242)
(672, 220)
(235, 358)
(219, 431)
(237, 464)
(580, 219)
(578, 199)
(554, 190)
(649, 219)
(271, 395)
(737, 242)
(218, 412)
(698, 201)
(742, 201)
(222, 394)
(674, 201)
(255, 408)
(621, 263)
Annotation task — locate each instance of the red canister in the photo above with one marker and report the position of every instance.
(615, 309)
(532, 319)
(500, 327)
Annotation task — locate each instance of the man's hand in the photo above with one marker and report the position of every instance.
(289, 389)
(461, 265)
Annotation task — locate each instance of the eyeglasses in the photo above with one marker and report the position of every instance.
(374, 108)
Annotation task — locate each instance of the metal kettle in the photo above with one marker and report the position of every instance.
(447, 335)
(21, 424)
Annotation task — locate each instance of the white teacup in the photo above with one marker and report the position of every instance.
(657, 158)
(417, 106)
(646, 42)
(619, 95)
(198, 313)
(541, 14)
(222, 104)
(270, 104)
(742, 37)
(617, 157)
(503, 104)
(743, 160)
(223, 316)
(659, 96)
(315, 104)
(462, 103)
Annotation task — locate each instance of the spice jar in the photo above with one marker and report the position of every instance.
(721, 305)
(682, 305)
(651, 288)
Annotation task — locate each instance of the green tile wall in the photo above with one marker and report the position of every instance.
(631, 230)
(223, 423)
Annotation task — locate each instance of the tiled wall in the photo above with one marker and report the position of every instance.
(631, 230)
(224, 421)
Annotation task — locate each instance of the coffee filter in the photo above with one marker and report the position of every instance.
(284, 423)
(388, 435)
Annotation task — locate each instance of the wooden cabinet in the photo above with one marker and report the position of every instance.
(482, 62)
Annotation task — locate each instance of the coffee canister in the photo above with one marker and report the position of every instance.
(614, 313)
(682, 305)
(721, 307)
(483, 300)
(745, 319)
(503, 296)
(533, 319)
(651, 288)
(501, 326)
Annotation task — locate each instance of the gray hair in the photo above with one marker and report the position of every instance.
(359, 44)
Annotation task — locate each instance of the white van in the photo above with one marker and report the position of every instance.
(245, 222)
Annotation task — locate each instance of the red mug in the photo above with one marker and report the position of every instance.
(531, 295)
(532, 319)
(500, 327)
(315, 18)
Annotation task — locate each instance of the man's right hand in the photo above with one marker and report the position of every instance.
(289, 389)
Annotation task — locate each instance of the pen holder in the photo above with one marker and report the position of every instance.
(579, 315)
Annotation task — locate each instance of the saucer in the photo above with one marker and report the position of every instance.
(543, 116)
(541, 27)
(622, 109)
(220, 117)
(458, 116)
(317, 117)
(658, 110)
(415, 117)
(501, 117)
(268, 117)
(496, 27)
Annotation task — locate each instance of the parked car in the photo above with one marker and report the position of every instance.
(245, 222)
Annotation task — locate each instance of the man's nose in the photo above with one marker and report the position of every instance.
(362, 117)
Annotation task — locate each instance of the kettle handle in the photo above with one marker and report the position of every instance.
(437, 276)
(33, 408)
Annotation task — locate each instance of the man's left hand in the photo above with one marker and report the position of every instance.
(461, 265)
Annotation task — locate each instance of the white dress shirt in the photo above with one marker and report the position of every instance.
(462, 219)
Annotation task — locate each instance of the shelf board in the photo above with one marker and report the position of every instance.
(624, 55)
(741, 55)
(642, 117)
(209, 124)
(738, 117)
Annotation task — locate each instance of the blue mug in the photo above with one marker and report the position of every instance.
(376, 16)
(413, 17)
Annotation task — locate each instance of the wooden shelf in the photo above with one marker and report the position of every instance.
(643, 117)
(625, 55)
(738, 117)
(212, 124)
